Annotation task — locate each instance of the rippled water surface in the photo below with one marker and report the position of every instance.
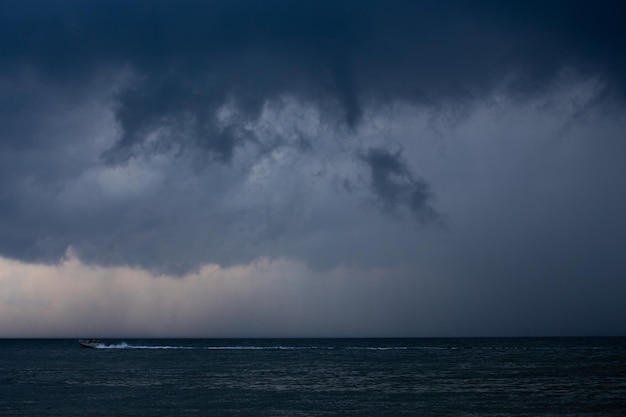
(315, 377)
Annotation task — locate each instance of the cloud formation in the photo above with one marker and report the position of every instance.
(395, 186)
(163, 137)
(188, 60)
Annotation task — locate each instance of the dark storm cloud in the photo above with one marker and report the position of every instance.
(190, 57)
(185, 64)
(396, 187)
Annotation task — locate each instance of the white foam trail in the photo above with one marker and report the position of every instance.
(268, 347)
(125, 345)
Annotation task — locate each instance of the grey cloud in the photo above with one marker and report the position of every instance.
(342, 55)
(396, 187)
(157, 116)
(183, 64)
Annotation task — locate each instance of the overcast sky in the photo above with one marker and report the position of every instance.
(312, 168)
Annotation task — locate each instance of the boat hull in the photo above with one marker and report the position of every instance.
(91, 344)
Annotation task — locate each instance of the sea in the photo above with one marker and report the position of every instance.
(315, 377)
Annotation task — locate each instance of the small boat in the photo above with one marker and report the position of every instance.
(92, 343)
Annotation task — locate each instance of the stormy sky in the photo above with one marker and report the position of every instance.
(312, 168)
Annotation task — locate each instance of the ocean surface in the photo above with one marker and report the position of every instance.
(315, 377)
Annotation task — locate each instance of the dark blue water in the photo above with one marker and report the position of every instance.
(315, 377)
